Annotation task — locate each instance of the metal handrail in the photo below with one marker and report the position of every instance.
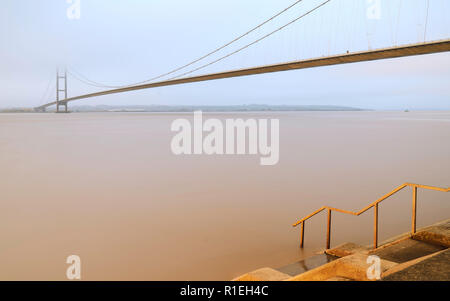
(375, 205)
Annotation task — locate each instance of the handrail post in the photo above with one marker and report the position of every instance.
(302, 235)
(329, 228)
(414, 208)
(375, 227)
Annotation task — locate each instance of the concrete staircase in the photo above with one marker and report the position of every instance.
(423, 256)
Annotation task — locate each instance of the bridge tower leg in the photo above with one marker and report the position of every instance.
(60, 102)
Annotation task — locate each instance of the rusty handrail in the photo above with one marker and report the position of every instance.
(375, 206)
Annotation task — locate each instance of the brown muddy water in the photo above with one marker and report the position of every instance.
(106, 187)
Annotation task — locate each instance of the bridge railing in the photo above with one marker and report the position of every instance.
(372, 205)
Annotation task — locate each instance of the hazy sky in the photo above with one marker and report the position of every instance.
(119, 42)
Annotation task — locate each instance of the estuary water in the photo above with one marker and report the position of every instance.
(106, 187)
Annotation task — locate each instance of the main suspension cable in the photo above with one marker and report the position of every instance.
(253, 43)
(96, 84)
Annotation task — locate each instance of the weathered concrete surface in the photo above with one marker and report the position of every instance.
(339, 279)
(435, 267)
(264, 274)
(346, 249)
(406, 250)
(438, 234)
(352, 267)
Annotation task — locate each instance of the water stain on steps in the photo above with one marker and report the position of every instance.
(307, 264)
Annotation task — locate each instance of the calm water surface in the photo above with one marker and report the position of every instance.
(106, 187)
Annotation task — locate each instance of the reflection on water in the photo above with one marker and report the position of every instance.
(106, 187)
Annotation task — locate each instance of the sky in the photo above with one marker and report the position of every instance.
(122, 42)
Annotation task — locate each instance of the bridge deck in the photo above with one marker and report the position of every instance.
(378, 54)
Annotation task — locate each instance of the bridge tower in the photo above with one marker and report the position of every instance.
(59, 90)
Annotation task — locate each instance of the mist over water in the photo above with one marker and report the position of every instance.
(106, 187)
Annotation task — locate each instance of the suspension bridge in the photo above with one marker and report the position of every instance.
(420, 47)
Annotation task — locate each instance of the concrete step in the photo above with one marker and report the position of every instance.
(438, 234)
(264, 274)
(353, 267)
(307, 264)
(338, 278)
(406, 250)
(435, 267)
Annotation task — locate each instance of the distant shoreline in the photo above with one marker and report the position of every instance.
(188, 108)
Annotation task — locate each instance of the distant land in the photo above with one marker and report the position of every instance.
(189, 108)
